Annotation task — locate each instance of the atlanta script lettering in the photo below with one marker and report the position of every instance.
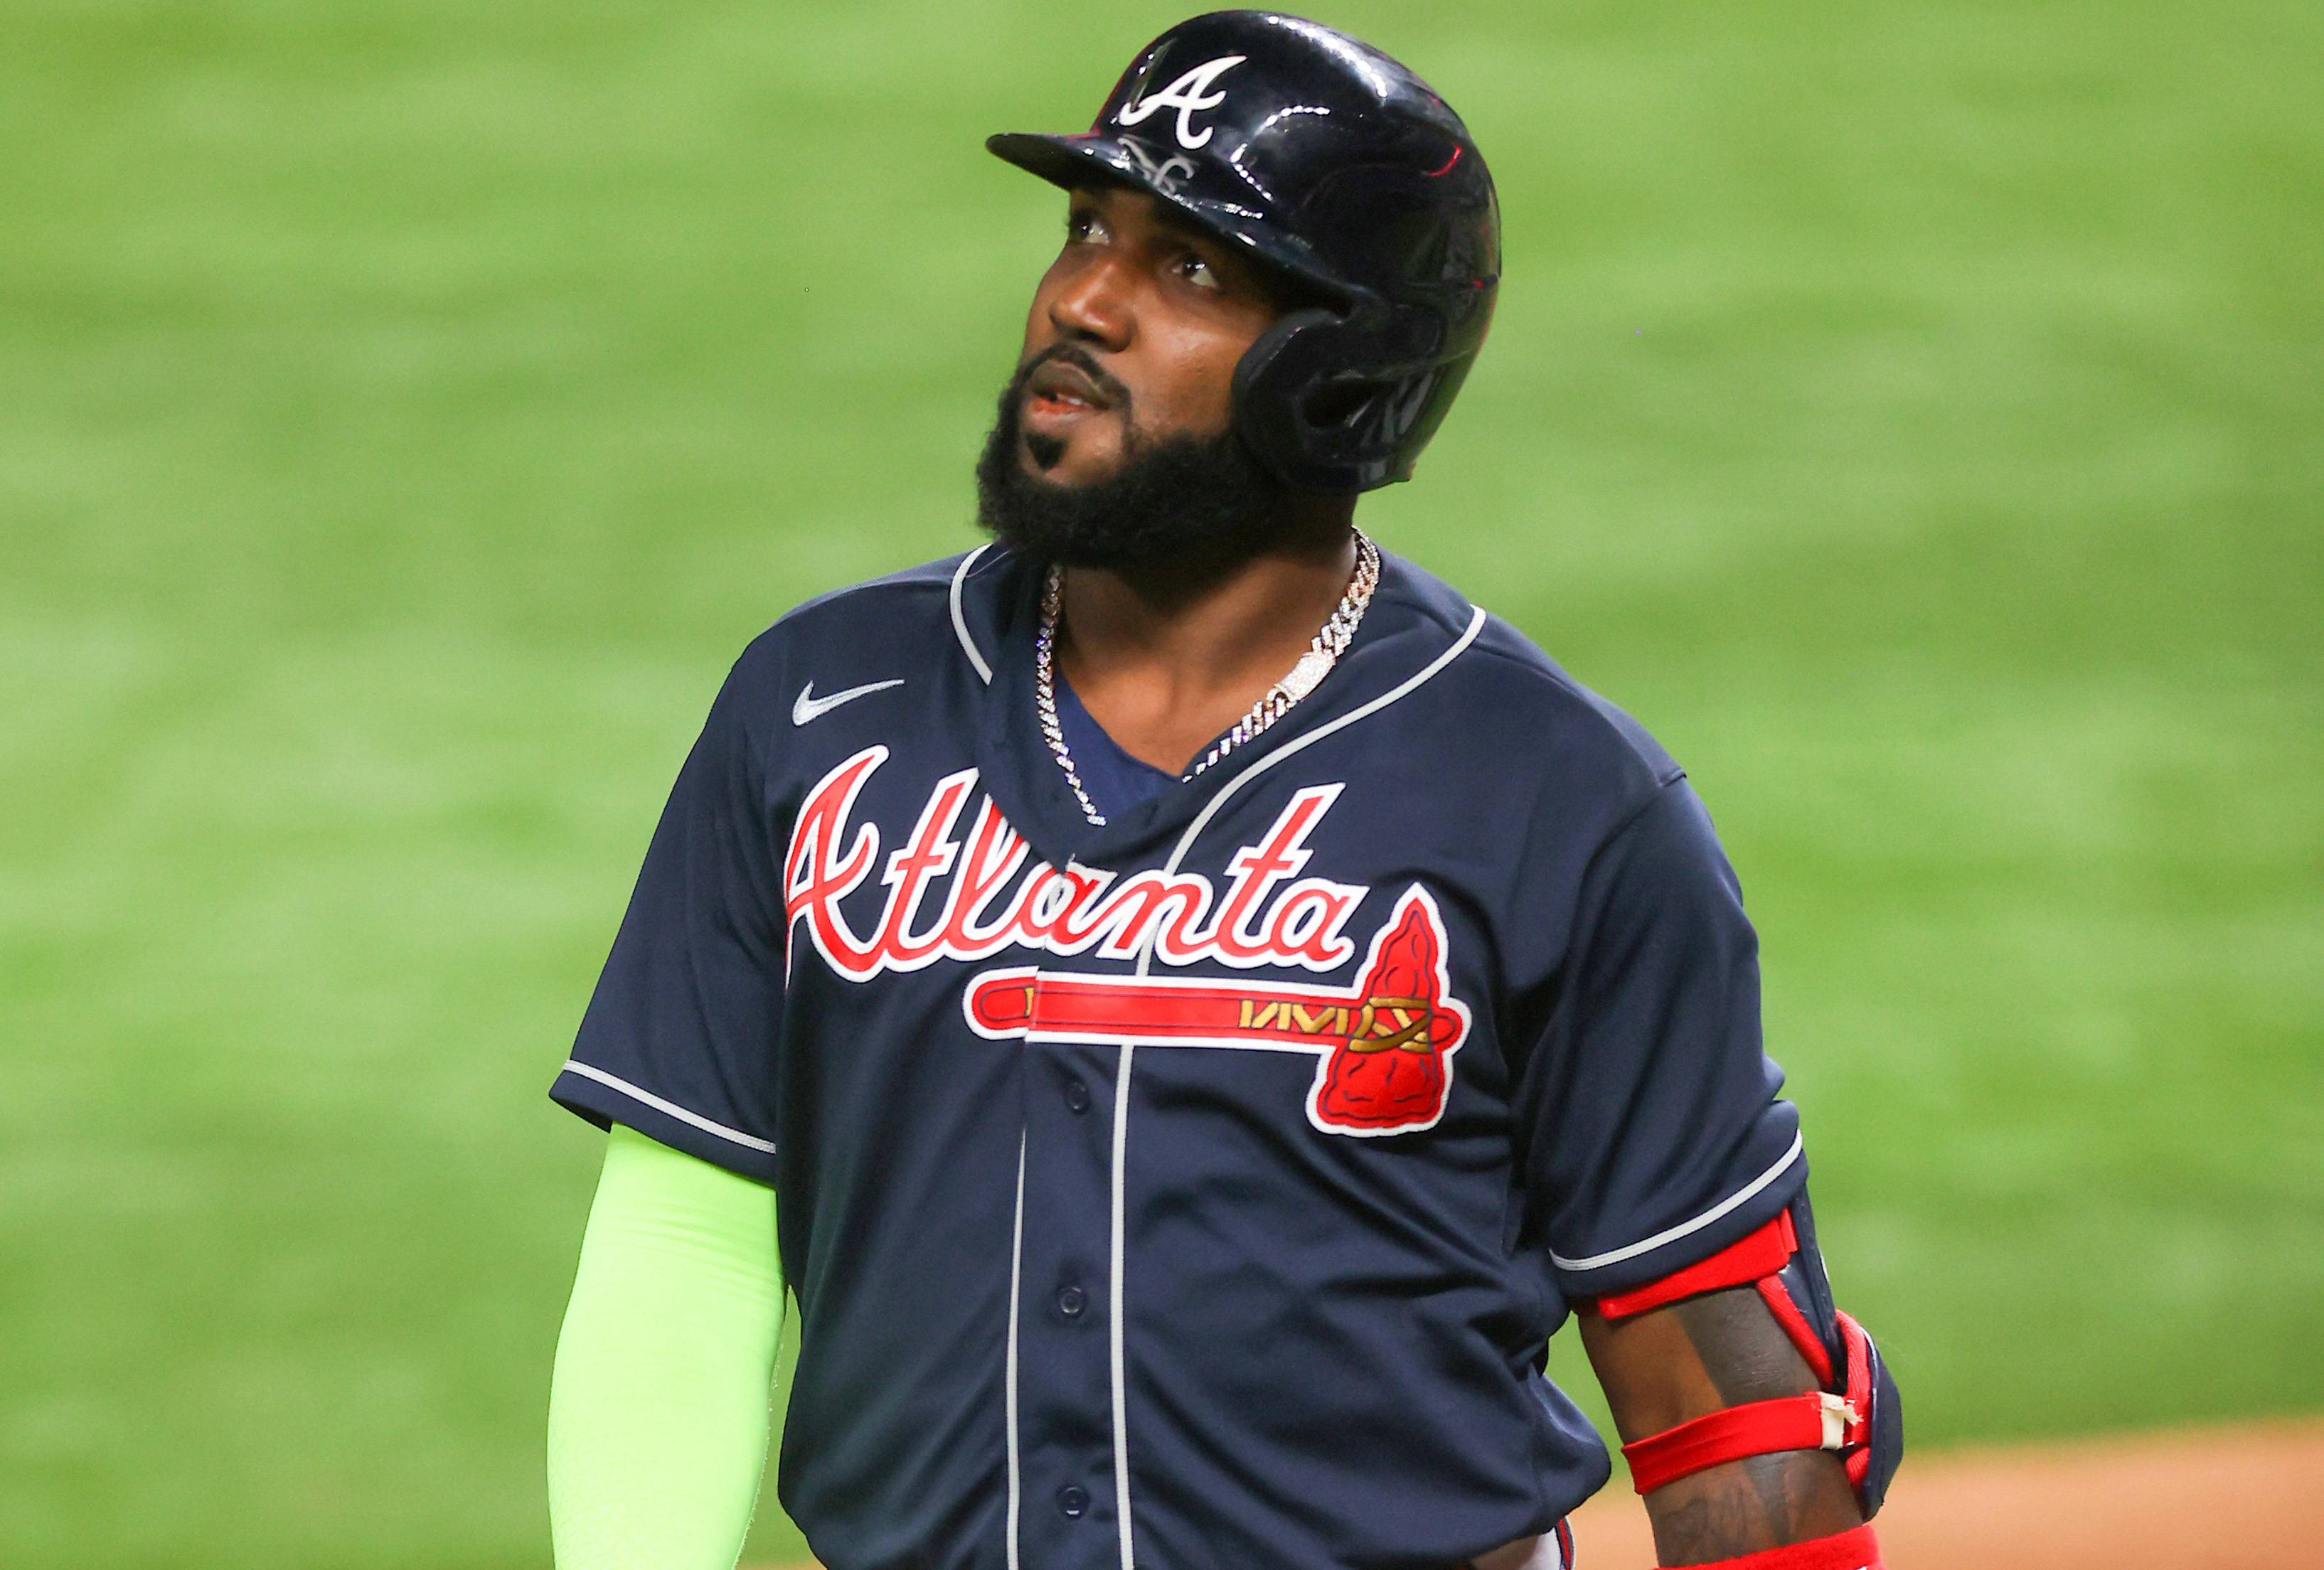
(1383, 1047)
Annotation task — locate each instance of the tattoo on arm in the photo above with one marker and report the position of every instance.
(1696, 1357)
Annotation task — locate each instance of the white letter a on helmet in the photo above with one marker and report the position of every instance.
(1188, 94)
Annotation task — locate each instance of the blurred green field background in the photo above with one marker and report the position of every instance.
(1913, 411)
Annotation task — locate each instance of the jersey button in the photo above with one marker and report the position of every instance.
(1072, 1500)
(1071, 1300)
(1077, 1096)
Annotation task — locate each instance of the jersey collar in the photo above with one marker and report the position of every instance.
(1413, 618)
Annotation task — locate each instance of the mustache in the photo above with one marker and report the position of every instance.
(1079, 359)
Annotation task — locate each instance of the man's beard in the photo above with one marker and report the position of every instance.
(1183, 508)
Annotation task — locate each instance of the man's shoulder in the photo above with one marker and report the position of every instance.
(1527, 707)
(927, 589)
(1570, 713)
(907, 626)
(902, 614)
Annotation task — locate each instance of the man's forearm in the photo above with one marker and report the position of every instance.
(1766, 1502)
(658, 1403)
(1718, 1351)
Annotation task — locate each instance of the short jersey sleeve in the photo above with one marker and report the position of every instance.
(1651, 1131)
(680, 1038)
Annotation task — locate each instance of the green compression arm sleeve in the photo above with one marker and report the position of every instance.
(658, 1405)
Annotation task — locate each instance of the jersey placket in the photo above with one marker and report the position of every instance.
(1067, 1512)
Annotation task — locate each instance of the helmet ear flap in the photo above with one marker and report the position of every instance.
(1332, 402)
(1284, 361)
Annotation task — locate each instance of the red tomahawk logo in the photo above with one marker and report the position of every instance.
(1384, 1047)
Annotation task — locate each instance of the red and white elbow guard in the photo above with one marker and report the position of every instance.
(1858, 1413)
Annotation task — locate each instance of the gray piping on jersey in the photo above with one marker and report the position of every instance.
(1115, 1365)
(672, 1108)
(1016, 1270)
(1671, 1234)
(1121, 1078)
(960, 626)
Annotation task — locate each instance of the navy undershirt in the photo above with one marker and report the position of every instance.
(1116, 782)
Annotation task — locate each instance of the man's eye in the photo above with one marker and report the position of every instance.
(1198, 273)
(1083, 227)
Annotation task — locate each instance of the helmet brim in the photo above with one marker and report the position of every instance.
(1077, 161)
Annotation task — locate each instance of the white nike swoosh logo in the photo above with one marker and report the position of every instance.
(811, 707)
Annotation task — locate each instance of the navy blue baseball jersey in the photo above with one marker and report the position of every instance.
(1198, 1190)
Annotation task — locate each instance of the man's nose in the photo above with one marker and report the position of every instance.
(1094, 305)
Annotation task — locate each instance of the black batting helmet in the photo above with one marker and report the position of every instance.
(1338, 168)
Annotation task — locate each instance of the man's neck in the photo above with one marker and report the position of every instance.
(1165, 666)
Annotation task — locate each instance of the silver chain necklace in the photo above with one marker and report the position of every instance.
(1338, 632)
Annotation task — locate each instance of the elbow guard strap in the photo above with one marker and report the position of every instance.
(1858, 1412)
(1850, 1550)
(1818, 1422)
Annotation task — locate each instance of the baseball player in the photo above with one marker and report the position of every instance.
(1204, 1000)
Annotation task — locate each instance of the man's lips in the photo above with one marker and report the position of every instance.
(1058, 391)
